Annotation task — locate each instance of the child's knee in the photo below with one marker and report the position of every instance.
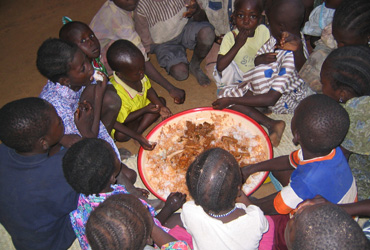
(179, 71)
(206, 35)
(130, 173)
(112, 102)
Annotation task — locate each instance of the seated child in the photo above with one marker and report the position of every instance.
(122, 222)
(141, 105)
(80, 34)
(35, 198)
(113, 22)
(351, 26)
(345, 77)
(170, 34)
(70, 91)
(239, 47)
(324, 226)
(274, 82)
(220, 207)
(319, 125)
(92, 169)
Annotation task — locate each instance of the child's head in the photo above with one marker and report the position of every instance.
(285, 15)
(247, 14)
(127, 61)
(120, 222)
(332, 4)
(90, 166)
(346, 73)
(324, 226)
(128, 5)
(351, 23)
(319, 124)
(80, 33)
(64, 62)
(30, 125)
(214, 180)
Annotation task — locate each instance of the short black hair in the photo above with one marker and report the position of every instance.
(326, 226)
(88, 165)
(122, 51)
(23, 122)
(120, 222)
(295, 10)
(238, 3)
(54, 57)
(213, 179)
(66, 28)
(354, 16)
(349, 69)
(321, 123)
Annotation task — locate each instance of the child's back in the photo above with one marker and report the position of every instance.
(35, 198)
(220, 217)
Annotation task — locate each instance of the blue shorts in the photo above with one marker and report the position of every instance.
(174, 52)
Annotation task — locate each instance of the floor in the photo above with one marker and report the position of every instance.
(26, 24)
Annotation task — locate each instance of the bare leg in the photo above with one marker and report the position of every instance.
(205, 39)
(275, 128)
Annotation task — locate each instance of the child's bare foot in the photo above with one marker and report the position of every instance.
(202, 78)
(276, 132)
(156, 203)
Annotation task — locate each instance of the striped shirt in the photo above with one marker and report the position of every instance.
(280, 76)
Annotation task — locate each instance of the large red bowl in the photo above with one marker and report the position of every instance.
(201, 115)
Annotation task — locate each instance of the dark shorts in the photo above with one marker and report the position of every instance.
(174, 52)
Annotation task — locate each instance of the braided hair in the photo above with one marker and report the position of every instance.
(88, 165)
(321, 123)
(213, 179)
(121, 222)
(348, 68)
(23, 122)
(353, 16)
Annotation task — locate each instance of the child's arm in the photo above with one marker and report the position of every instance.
(266, 204)
(134, 135)
(173, 203)
(150, 108)
(161, 238)
(153, 98)
(292, 42)
(177, 94)
(280, 163)
(242, 198)
(224, 60)
(263, 100)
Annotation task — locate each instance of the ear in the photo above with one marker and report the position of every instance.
(296, 138)
(43, 143)
(64, 81)
(345, 95)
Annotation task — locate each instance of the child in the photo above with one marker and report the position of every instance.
(35, 199)
(81, 35)
(345, 77)
(169, 35)
(113, 22)
(324, 226)
(239, 47)
(92, 169)
(351, 26)
(122, 222)
(69, 90)
(274, 82)
(220, 208)
(319, 125)
(141, 105)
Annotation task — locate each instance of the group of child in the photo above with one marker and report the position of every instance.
(62, 145)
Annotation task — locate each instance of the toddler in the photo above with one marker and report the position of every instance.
(113, 22)
(69, 90)
(141, 105)
(239, 47)
(92, 169)
(122, 222)
(345, 77)
(220, 216)
(319, 125)
(35, 198)
(274, 82)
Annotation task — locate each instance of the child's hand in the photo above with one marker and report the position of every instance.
(222, 103)
(242, 37)
(265, 59)
(165, 113)
(289, 41)
(191, 7)
(175, 201)
(178, 95)
(84, 117)
(318, 199)
(143, 192)
(152, 108)
(146, 144)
